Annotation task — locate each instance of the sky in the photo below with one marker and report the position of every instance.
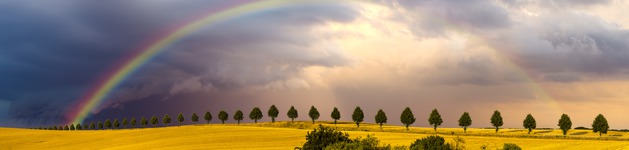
(543, 57)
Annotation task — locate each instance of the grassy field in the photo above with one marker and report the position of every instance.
(285, 135)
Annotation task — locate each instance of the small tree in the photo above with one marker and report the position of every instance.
(54, 128)
(133, 122)
(496, 120)
(154, 121)
(381, 118)
(564, 124)
(72, 127)
(358, 116)
(85, 127)
(180, 118)
(100, 125)
(208, 116)
(66, 128)
(143, 122)
(432, 142)
(313, 113)
(407, 117)
(125, 122)
(322, 137)
(465, 121)
(435, 119)
(273, 113)
(600, 125)
(336, 115)
(108, 124)
(529, 123)
(255, 114)
(93, 125)
(238, 116)
(194, 118)
(292, 113)
(78, 127)
(116, 124)
(223, 116)
(166, 120)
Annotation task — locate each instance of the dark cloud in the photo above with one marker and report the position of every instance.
(53, 51)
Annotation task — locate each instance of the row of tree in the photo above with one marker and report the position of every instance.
(599, 125)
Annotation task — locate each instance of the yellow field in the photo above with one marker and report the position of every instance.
(284, 135)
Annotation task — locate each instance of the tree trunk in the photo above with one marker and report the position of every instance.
(464, 129)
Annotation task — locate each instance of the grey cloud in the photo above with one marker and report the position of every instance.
(434, 18)
(71, 44)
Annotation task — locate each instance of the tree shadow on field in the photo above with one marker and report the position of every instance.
(579, 133)
(538, 132)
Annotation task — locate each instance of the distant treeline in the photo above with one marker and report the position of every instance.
(407, 117)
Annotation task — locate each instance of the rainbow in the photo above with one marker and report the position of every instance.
(97, 94)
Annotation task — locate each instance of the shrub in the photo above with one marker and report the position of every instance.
(322, 136)
(510, 146)
(369, 143)
(433, 142)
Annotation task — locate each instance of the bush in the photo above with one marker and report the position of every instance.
(433, 142)
(510, 146)
(322, 136)
(369, 143)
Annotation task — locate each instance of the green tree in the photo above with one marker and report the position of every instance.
(116, 124)
(564, 124)
(255, 114)
(125, 122)
(223, 116)
(208, 116)
(180, 118)
(322, 137)
(496, 120)
(529, 123)
(54, 128)
(407, 117)
(292, 113)
(133, 122)
(435, 119)
(154, 121)
(78, 127)
(273, 113)
(433, 142)
(336, 115)
(66, 128)
(238, 116)
(465, 121)
(143, 122)
(358, 116)
(314, 114)
(93, 125)
(166, 120)
(600, 125)
(100, 125)
(381, 118)
(194, 118)
(72, 127)
(108, 124)
(85, 127)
